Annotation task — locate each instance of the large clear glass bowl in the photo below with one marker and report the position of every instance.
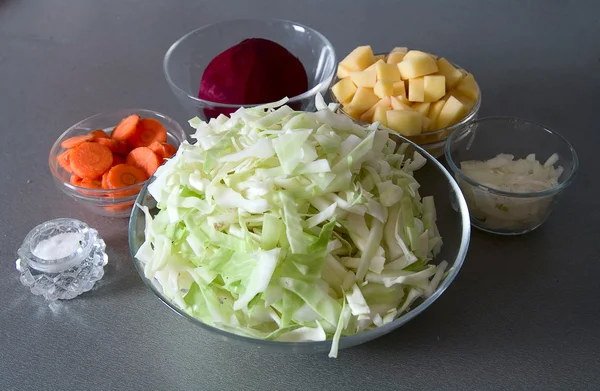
(503, 212)
(188, 57)
(453, 224)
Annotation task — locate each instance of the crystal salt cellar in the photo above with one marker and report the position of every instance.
(61, 259)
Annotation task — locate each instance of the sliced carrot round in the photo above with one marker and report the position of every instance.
(99, 133)
(75, 180)
(76, 140)
(126, 127)
(116, 146)
(90, 160)
(145, 159)
(147, 131)
(63, 160)
(123, 175)
(163, 150)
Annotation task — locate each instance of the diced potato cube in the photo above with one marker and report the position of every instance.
(399, 49)
(384, 88)
(379, 57)
(416, 90)
(380, 115)
(468, 87)
(387, 72)
(359, 59)
(398, 103)
(342, 72)
(395, 57)
(422, 108)
(372, 66)
(434, 112)
(468, 103)
(367, 116)
(425, 124)
(399, 89)
(417, 66)
(344, 90)
(452, 111)
(416, 53)
(435, 87)
(363, 99)
(407, 123)
(364, 78)
(352, 112)
(453, 75)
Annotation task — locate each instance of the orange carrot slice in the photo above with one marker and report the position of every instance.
(76, 140)
(123, 175)
(75, 180)
(64, 161)
(144, 158)
(99, 133)
(163, 150)
(126, 127)
(148, 130)
(104, 180)
(90, 160)
(116, 146)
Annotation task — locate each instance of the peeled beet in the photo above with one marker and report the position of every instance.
(254, 71)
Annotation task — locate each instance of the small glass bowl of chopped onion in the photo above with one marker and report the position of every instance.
(511, 172)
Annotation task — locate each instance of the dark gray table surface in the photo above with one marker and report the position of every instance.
(522, 314)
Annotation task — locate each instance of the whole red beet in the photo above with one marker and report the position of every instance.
(254, 71)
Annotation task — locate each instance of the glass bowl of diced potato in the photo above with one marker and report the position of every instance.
(417, 94)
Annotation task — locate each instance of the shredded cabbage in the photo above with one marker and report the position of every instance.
(291, 226)
(504, 173)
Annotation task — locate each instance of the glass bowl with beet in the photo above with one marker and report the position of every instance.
(105, 160)
(221, 67)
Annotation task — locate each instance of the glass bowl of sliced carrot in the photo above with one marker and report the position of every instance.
(104, 161)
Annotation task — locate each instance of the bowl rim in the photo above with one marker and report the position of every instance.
(464, 131)
(85, 193)
(325, 83)
(345, 341)
(469, 117)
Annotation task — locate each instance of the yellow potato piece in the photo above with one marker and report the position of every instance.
(352, 112)
(452, 75)
(367, 116)
(342, 72)
(416, 90)
(384, 88)
(422, 108)
(434, 112)
(399, 89)
(363, 99)
(407, 123)
(400, 103)
(344, 90)
(380, 115)
(416, 53)
(425, 124)
(364, 78)
(359, 59)
(468, 87)
(417, 66)
(372, 66)
(395, 57)
(452, 111)
(434, 86)
(387, 72)
(379, 57)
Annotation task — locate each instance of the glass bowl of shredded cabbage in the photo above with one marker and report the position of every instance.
(511, 172)
(298, 231)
